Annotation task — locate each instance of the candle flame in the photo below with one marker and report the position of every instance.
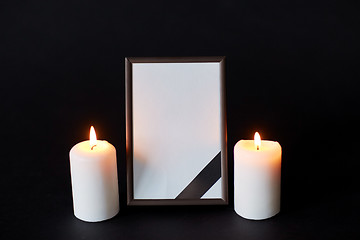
(93, 139)
(257, 140)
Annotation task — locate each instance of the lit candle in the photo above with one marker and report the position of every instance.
(257, 177)
(94, 179)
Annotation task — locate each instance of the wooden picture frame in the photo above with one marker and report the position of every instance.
(176, 133)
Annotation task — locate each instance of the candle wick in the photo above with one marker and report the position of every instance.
(93, 147)
(257, 148)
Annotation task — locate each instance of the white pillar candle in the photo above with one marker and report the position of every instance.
(257, 177)
(94, 180)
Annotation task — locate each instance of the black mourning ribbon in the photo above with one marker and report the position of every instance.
(204, 180)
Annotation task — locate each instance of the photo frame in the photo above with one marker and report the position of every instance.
(176, 133)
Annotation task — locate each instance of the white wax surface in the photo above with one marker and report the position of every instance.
(257, 177)
(94, 181)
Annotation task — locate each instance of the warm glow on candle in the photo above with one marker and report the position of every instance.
(93, 140)
(94, 179)
(257, 140)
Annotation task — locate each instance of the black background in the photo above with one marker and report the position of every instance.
(292, 72)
